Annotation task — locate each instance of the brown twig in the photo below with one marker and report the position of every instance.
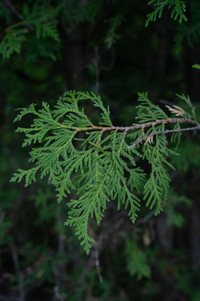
(137, 125)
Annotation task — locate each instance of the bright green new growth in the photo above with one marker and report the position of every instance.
(98, 163)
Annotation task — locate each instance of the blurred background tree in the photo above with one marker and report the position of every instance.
(47, 48)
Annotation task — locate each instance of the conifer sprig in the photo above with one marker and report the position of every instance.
(177, 7)
(96, 163)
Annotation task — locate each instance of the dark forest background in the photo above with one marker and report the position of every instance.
(101, 46)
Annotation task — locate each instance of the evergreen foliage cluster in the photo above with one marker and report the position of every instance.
(36, 25)
(99, 162)
(191, 30)
(178, 10)
(29, 28)
(82, 156)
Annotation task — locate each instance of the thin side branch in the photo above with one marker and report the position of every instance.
(163, 132)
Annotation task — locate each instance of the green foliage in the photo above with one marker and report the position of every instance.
(196, 66)
(177, 13)
(137, 261)
(192, 113)
(174, 217)
(114, 24)
(156, 187)
(36, 23)
(11, 43)
(4, 12)
(186, 161)
(97, 163)
(191, 30)
(50, 261)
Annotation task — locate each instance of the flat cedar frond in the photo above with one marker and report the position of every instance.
(155, 189)
(147, 111)
(101, 164)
